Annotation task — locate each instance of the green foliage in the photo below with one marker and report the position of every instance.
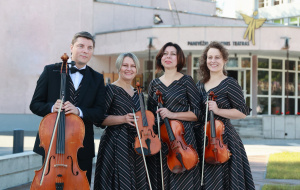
(281, 187)
(285, 165)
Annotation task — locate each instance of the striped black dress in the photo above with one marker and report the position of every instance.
(118, 166)
(235, 173)
(179, 96)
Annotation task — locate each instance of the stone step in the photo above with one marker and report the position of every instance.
(252, 136)
(250, 130)
(246, 122)
(248, 126)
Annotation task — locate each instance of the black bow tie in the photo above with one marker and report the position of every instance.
(74, 70)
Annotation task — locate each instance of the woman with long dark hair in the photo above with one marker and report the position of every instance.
(230, 104)
(181, 102)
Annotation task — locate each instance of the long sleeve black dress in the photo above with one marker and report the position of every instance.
(235, 173)
(180, 96)
(118, 166)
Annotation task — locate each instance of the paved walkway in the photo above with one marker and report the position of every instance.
(258, 156)
(258, 152)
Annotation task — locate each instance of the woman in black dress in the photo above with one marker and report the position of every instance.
(118, 166)
(230, 104)
(181, 102)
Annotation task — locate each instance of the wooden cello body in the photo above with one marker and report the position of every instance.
(61, 136)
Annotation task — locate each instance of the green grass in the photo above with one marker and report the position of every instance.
(281, 187)
(285, 165)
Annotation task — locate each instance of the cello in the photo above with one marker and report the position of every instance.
(181, 157)
(61, 136)
(216, 152)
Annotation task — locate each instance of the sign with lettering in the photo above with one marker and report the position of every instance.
(225, 43)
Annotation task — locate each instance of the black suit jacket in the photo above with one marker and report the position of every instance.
(90, 101)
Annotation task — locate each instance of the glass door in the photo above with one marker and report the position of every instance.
(240, 76)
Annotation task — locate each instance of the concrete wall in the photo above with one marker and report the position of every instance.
(109, 17)
(33, 34)
(18, 169)
(281, 127)
(196, 6)
(266, 38)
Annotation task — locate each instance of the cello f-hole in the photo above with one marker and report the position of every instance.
(72, 166)
(49, 165)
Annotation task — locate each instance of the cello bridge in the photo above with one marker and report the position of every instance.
(60, 165)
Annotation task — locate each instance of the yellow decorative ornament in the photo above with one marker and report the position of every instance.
(252, 24)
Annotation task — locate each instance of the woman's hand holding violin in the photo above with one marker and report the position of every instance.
(129, 119)
(212, 106)
(165, 113)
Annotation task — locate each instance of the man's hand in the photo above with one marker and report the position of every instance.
(70, 108)
(57, 105)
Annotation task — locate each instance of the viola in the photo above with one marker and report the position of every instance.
(61, 136)
(150, 141)
(216, 152)
(181, 156)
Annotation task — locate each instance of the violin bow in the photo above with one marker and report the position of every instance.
(53, 134)
(161, 167)
(204, 141)
(138, 132)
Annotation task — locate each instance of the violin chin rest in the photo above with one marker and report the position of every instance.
(178, 169)
(211, 160)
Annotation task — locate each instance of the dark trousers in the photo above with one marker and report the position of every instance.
(84, 165)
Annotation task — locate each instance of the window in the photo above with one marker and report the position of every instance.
(232, 62)
(276, 106)
(263, 82)
(263, 63)
(246, 62)
(277, 2)
(262, 106)
(290, 84)
(261, 3)
(279, 21)
(294, 21)
(276, 82)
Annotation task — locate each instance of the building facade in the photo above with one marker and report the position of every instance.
(260, 64)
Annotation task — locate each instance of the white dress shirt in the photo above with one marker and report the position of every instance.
(76, 79)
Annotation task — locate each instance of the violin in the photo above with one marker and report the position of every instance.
(150, 141)
(181, 156)
(216, 152)
(61, 136)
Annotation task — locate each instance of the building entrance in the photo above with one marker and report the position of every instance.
(240, 76)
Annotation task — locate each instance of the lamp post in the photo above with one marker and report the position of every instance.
(286, 47)
(150, 46)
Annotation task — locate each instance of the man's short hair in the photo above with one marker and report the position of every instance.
(83, 34)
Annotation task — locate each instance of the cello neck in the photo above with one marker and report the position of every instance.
(60, 140)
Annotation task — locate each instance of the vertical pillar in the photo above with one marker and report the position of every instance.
(254, 85)
(18, 145)
(189, 65)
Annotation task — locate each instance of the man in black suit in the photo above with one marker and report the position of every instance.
(84, 97)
